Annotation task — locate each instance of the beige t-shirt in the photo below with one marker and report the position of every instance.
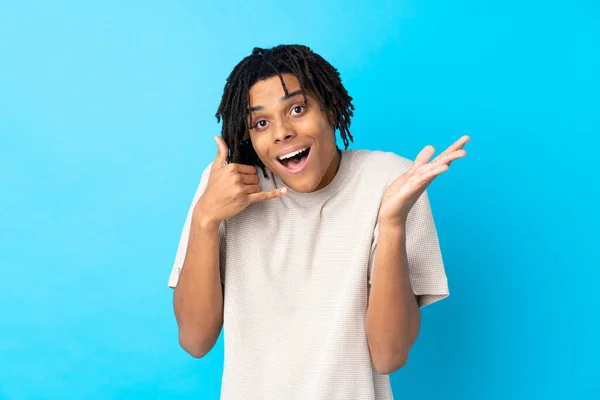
(296, 272)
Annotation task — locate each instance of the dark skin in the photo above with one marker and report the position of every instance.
(393, 316)
(280, 122)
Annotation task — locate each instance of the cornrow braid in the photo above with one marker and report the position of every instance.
(313, 73)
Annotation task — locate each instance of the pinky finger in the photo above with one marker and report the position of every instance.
(434, 172)
(250, 189)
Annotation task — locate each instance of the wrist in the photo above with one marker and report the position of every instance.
(392, 225)
(203, 221)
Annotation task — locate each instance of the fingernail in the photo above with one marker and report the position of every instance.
(283, 190)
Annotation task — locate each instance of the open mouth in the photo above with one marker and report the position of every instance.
(297, 162)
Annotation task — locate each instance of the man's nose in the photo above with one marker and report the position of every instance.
(284, 132)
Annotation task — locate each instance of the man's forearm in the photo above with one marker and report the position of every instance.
(393, 315)
(198, 298)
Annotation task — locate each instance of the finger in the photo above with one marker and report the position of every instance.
(421, 182)
(431, 173)
(262, 196)
(460, 154)
(242, 169)
(252, 189)
(448, 158)
(423, 157)
(249, 179)
(222, 152)
(459, 144)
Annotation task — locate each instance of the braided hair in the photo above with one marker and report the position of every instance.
(314, 74)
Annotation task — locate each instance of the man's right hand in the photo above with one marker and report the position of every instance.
(230, 189)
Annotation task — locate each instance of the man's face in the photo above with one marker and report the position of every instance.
(284, 125)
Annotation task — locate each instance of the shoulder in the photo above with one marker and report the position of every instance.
(381, 165)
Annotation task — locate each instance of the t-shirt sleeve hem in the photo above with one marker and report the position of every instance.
(430, 293)
(174, 277)
(427, 299)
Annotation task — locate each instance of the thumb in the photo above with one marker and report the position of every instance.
(222, 152)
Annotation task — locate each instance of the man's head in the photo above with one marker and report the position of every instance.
(283, 99)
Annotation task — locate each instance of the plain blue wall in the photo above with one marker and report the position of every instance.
(106, 122)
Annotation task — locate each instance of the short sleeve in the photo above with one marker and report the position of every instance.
(183, 241)
(426, 267)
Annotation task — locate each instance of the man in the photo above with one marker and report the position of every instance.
(315, 260)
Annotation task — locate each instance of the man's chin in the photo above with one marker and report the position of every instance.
(301, 187)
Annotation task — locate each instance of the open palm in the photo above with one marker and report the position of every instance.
(403, 193)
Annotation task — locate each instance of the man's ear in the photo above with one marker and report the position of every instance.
(331, 118)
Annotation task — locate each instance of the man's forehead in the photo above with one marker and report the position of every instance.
(274, 87)
(272, 91)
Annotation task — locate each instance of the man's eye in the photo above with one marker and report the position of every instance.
(261, 123)
(298, 109)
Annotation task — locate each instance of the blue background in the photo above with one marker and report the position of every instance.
(106, 123)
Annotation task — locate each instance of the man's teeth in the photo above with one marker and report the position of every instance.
(292, 154)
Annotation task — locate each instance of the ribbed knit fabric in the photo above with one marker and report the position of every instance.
(296, 272)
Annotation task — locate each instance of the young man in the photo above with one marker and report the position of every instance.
(315, 260)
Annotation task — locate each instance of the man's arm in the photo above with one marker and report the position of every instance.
(198, 298)
(393, 317)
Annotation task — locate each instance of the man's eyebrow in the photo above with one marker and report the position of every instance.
(289, 95)
(284, 98)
